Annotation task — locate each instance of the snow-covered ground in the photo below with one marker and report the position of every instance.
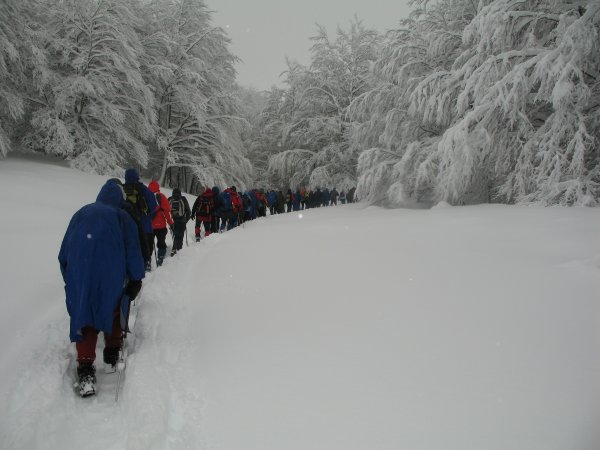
(347, 328)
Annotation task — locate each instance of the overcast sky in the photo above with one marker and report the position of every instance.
(264, 32)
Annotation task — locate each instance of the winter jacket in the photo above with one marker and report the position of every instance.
(132, 177)
(99, 253)
(163, 216)
(207, 198)
(187, 213)
(272, 198)
(297, 200)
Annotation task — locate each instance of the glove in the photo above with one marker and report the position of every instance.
(133, 289)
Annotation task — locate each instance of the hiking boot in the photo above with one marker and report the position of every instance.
(197, 238)
(160, 256)
(111, 357)
(173, 252)
(148, 266)
(87, 379)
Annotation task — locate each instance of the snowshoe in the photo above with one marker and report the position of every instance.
(87, 379)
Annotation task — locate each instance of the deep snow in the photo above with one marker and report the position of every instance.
(471, 328)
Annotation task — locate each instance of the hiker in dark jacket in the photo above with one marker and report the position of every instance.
(350, 195)
(334, 196)
(218, 209)
(272, 201)
(100, 253)
(180, 210)
(203, 211)
(143, 207)
(280, 202)
(289, 199)
(297, 200)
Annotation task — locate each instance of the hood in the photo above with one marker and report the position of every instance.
(132, 176)
(176, 192)
(208, 191)
(215, 190)
(111, 194)
(154, 186)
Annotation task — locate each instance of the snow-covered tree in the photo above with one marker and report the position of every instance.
(316, 133)
(98, 109)
(19, 57)
(506, 113)
(393, 138)
(191, 69)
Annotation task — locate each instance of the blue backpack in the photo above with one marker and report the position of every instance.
(226, 197)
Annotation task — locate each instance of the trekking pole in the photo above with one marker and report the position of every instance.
(124, 347)
(154, 251)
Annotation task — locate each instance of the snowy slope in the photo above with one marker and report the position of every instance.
(343, 328)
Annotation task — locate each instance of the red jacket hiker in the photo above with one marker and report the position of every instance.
(163, 216)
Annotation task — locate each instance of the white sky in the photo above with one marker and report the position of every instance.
(264, 32)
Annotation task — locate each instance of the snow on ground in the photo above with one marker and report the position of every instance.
(340, 328)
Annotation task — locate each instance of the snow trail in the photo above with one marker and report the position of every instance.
(346, 328)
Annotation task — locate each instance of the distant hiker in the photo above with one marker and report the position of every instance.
(232, 207)
(280, 202)
(218, 209)
(297, 200)
(272, 201)
(161, 220)
(180, 210)
(261, 207)
(325, 197)
(334, 196)
(142, 208)
(350, 195)
(289, 199)
(304, 197)
(100, 253)
(343, 198)
(202, 210)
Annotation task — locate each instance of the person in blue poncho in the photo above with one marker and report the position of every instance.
(102, 266)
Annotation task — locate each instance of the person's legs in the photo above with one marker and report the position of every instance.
(197, 229)
(86, 348)
(113, 341)
(207, 228)
(86, 355)
(179, 231)
(161, 245)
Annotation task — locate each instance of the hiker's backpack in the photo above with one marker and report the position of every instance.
(137, 201)
(177, 207)
(204, 206)
(226, 197)
(236, 202)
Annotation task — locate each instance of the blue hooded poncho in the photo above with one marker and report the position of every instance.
(99, 253)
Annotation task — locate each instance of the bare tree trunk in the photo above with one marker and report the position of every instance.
(163, 170)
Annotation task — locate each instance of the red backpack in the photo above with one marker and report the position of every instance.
(236, 202)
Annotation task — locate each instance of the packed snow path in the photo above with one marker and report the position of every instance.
(338, 328)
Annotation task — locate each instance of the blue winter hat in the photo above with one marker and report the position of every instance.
(132, 176)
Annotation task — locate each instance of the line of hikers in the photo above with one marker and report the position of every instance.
(108, 247)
